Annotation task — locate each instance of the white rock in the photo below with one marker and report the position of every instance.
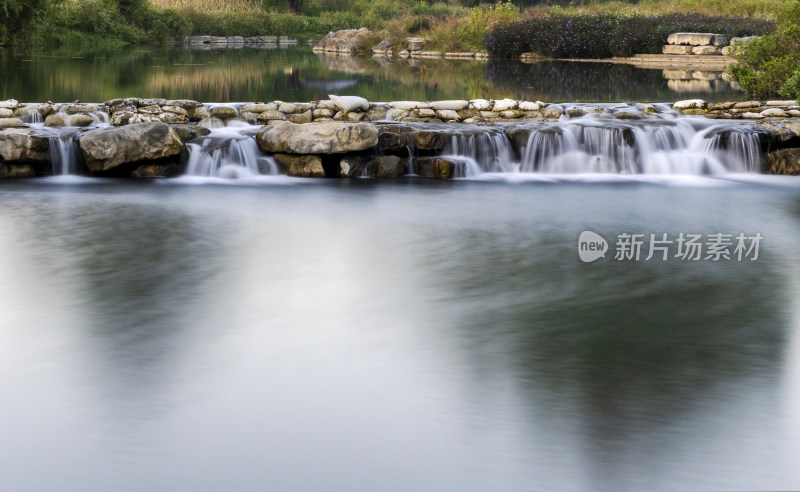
(350, 103)
(690, 104)
(403, 105)
(396, 114)
(6, 113)
(454, 105)
(448, 114)
(752, 116)
(480, 104)
(781, 103)
(529, 106)
(504, 105)
(9, 104)
(773, 112)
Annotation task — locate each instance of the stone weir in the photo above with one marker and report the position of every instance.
(349, 136)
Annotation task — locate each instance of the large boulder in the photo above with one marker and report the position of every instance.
(104, 150)
(345, 41)
(23, 145)
(328, 137)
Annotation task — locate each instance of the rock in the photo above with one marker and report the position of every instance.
(302, 117)
(670, 49)
(728, 51)
(288, 108)
(393, 138)
(774, 112)
(647, 108)
(23, 145)
(511, 114)
(784, 161)
(186, 104)
(455, 105)
(690, 104)
(323, 113)
(780, 133)
(423, 113)
(384, 46)
(12, 123)
(743, 40)
(480, 104)
(504, 105)
(257, 108)
(344, 41)
(344, 116)
(448, 115)
(175, 110)
(697, 39)
(747, 105)
(376, 113)
(752, 116)
(787, 104)
(77, 108)
(627, 114)
(160, 170)
(198, 114)
(271, 115)
(389, 166)
(353, 166)
(80, 120)
(553, 111)
(223, 112)
(317, 138)
(414, 44)
(190, 132)
(706, 50)
(120, 118)
(6, 113)
(575, 112)
(690, 112)
(396, 114)
(9, 104)
(327, 104)
(349, 104)
(303, 166)
(104, 150)
(529, 106)
(434, 167)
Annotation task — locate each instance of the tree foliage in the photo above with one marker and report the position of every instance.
(770, 65)
(17, 15)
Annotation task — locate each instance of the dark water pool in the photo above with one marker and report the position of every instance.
(297, 74)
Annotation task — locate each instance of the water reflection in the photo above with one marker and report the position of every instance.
(297, 74)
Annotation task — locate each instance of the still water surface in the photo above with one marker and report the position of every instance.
(415, 335)
(297, 74)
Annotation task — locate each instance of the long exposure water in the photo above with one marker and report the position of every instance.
(287, 334)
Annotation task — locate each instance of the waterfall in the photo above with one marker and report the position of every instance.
(487, 151)
(228, 153)
(65, 156)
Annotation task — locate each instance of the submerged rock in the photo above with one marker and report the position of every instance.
(317, 138)
(104, 150)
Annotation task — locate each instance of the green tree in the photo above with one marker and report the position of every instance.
(771, 65)
(17, 15)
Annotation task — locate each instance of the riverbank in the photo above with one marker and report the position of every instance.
(349, 136)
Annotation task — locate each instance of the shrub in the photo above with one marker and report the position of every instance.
(771, 65)
(605, 35)
(17, 15)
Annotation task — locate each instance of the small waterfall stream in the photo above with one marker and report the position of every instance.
(65, 155)
(229, 152)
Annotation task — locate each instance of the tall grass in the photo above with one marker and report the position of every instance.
(234, 6)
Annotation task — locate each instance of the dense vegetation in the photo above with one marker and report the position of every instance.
(601, 27)
(771, 65)
(606, 35)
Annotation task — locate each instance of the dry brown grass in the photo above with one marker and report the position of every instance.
(239, 6)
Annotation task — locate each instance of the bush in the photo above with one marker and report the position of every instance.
(771, 65)
(605, 35)
(16, 16)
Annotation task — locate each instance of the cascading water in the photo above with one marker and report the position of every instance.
(230, 152)
(65, 156)
(655, 146)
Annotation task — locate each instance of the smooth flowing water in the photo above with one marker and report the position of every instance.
(289, 334)
(297, 74)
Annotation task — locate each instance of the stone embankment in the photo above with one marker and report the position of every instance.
(236, 42)
(340, 136)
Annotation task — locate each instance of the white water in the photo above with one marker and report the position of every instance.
(64, 154)
(230, 152)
